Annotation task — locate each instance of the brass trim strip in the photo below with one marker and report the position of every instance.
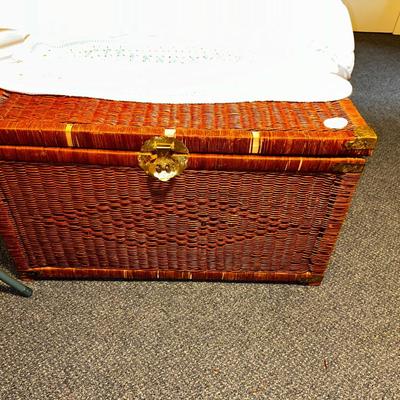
(300, 164)
(68, 135)
(255, 142)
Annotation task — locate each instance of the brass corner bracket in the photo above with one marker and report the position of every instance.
(365, 139)
(311, 279)
(345, 168)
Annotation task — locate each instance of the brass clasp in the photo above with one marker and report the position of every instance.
(163, 157)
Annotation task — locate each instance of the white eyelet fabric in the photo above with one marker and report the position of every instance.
(178, 51)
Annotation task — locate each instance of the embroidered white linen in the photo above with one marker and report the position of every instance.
(178, 51)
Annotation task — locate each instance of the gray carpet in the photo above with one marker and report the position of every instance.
(181, 340)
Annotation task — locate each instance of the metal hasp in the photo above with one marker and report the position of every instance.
(365, 139)
(163, 157)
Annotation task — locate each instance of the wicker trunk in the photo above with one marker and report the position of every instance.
(261, 191)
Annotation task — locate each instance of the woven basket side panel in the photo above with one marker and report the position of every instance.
(115, 217)
(8, 231)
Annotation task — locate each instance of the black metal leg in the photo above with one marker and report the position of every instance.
(19, 287)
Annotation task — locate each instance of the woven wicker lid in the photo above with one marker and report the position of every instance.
(267, 128)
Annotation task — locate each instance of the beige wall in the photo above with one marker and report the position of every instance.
(374, 15)
(397, 27)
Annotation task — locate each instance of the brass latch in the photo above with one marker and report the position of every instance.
(163, 157)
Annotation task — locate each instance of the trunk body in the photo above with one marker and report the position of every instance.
(263, 197)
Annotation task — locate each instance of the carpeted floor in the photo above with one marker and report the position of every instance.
(168, 340)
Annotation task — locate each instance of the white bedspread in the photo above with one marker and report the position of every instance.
(178, 51)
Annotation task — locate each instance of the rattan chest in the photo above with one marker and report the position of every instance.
(260, 193)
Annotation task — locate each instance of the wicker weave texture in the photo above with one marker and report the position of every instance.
(283, 128)
(262, 115)
(206, 162)
(115, 218)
